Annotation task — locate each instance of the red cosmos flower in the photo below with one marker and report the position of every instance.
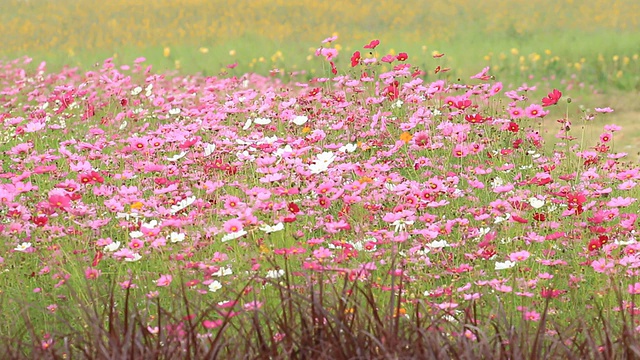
(85, 178)
(97, 258)
(89, 112)
(95, 176)
(539, 217)
(603, 239)
(519, 219)
(575, 200)
(402, 56)
(475, 118)
(40, 220)
(552, 98)
(334, 70)
(393, 90)
(513, 127)
(440, 69)
(594, 245)
(601, 148)
(551, 293)
(293, 207)
(355, 59)
(462, 104)
(372, 44)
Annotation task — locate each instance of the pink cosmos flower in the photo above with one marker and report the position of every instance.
(621, 201)
(634, 288)
(92, 273)
(601, 265)
(516, 112)
(233, 225)
(164, 280)
(531, 315)
(519, 256)
(534, 111)
(59, 201)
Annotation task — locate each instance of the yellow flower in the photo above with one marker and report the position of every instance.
(136, 205)
(166, 51)
(406, 137)
(203, 50)
(514, 51)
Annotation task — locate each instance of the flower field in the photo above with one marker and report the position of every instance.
(120, 185)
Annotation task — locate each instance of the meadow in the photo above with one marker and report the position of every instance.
(442, 193)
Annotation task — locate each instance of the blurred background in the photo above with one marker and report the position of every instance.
(587, 47)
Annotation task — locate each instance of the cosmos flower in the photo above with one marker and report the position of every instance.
(322, 162)
(183, 204)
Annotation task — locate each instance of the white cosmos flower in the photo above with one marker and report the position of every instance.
(536, 203)
(123, 125)
(175, 237)
(497, 182)
(127, 216)
(177, 157)
(300, 120)
(389, 186)
(174, 111)
(269, 139)
(209, 149)
(233, 235)
(348, 148)
(262, 121)
(112, 247)
(270, 229)
(183, 204)
(147, 90)
(505, 265)
(401, 225)
(274, 274)
(500, 219)
(137, 90)
(223, 271)
(215, 286)
(438, 244)
(322, 162)
(284, 150)
(150, 225)
(135, 234)
(135, 257)
(247, 124)
(23, 247)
